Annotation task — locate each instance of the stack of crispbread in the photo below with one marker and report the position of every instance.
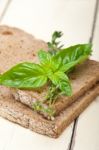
(16, 105)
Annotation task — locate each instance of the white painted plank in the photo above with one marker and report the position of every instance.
(24, 139)
(13, 136)
(87, 135)
(87, 132)
(3, 6)
(74, 18)
(42, 17)
(6, 133)
(6, 128)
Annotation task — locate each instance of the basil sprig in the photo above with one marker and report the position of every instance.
(53, 68)
(54, 73)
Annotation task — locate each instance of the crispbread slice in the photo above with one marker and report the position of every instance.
(23, 115)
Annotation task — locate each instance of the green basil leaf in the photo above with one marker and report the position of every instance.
(44, 57)
(61, 80)
(56, 64)
(73, 55)
(24, 75)
(74, 52)
(47, 61)
(67, 67)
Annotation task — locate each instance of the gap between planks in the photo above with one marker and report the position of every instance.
(72, 141)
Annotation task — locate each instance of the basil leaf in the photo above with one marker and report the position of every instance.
(74, 52)
(73, 55)
(47, 62)
(67, 67)
(56, 64)
(61, 80)
(24, 75)
(44, 57)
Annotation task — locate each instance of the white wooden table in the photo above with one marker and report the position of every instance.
(79, 21)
